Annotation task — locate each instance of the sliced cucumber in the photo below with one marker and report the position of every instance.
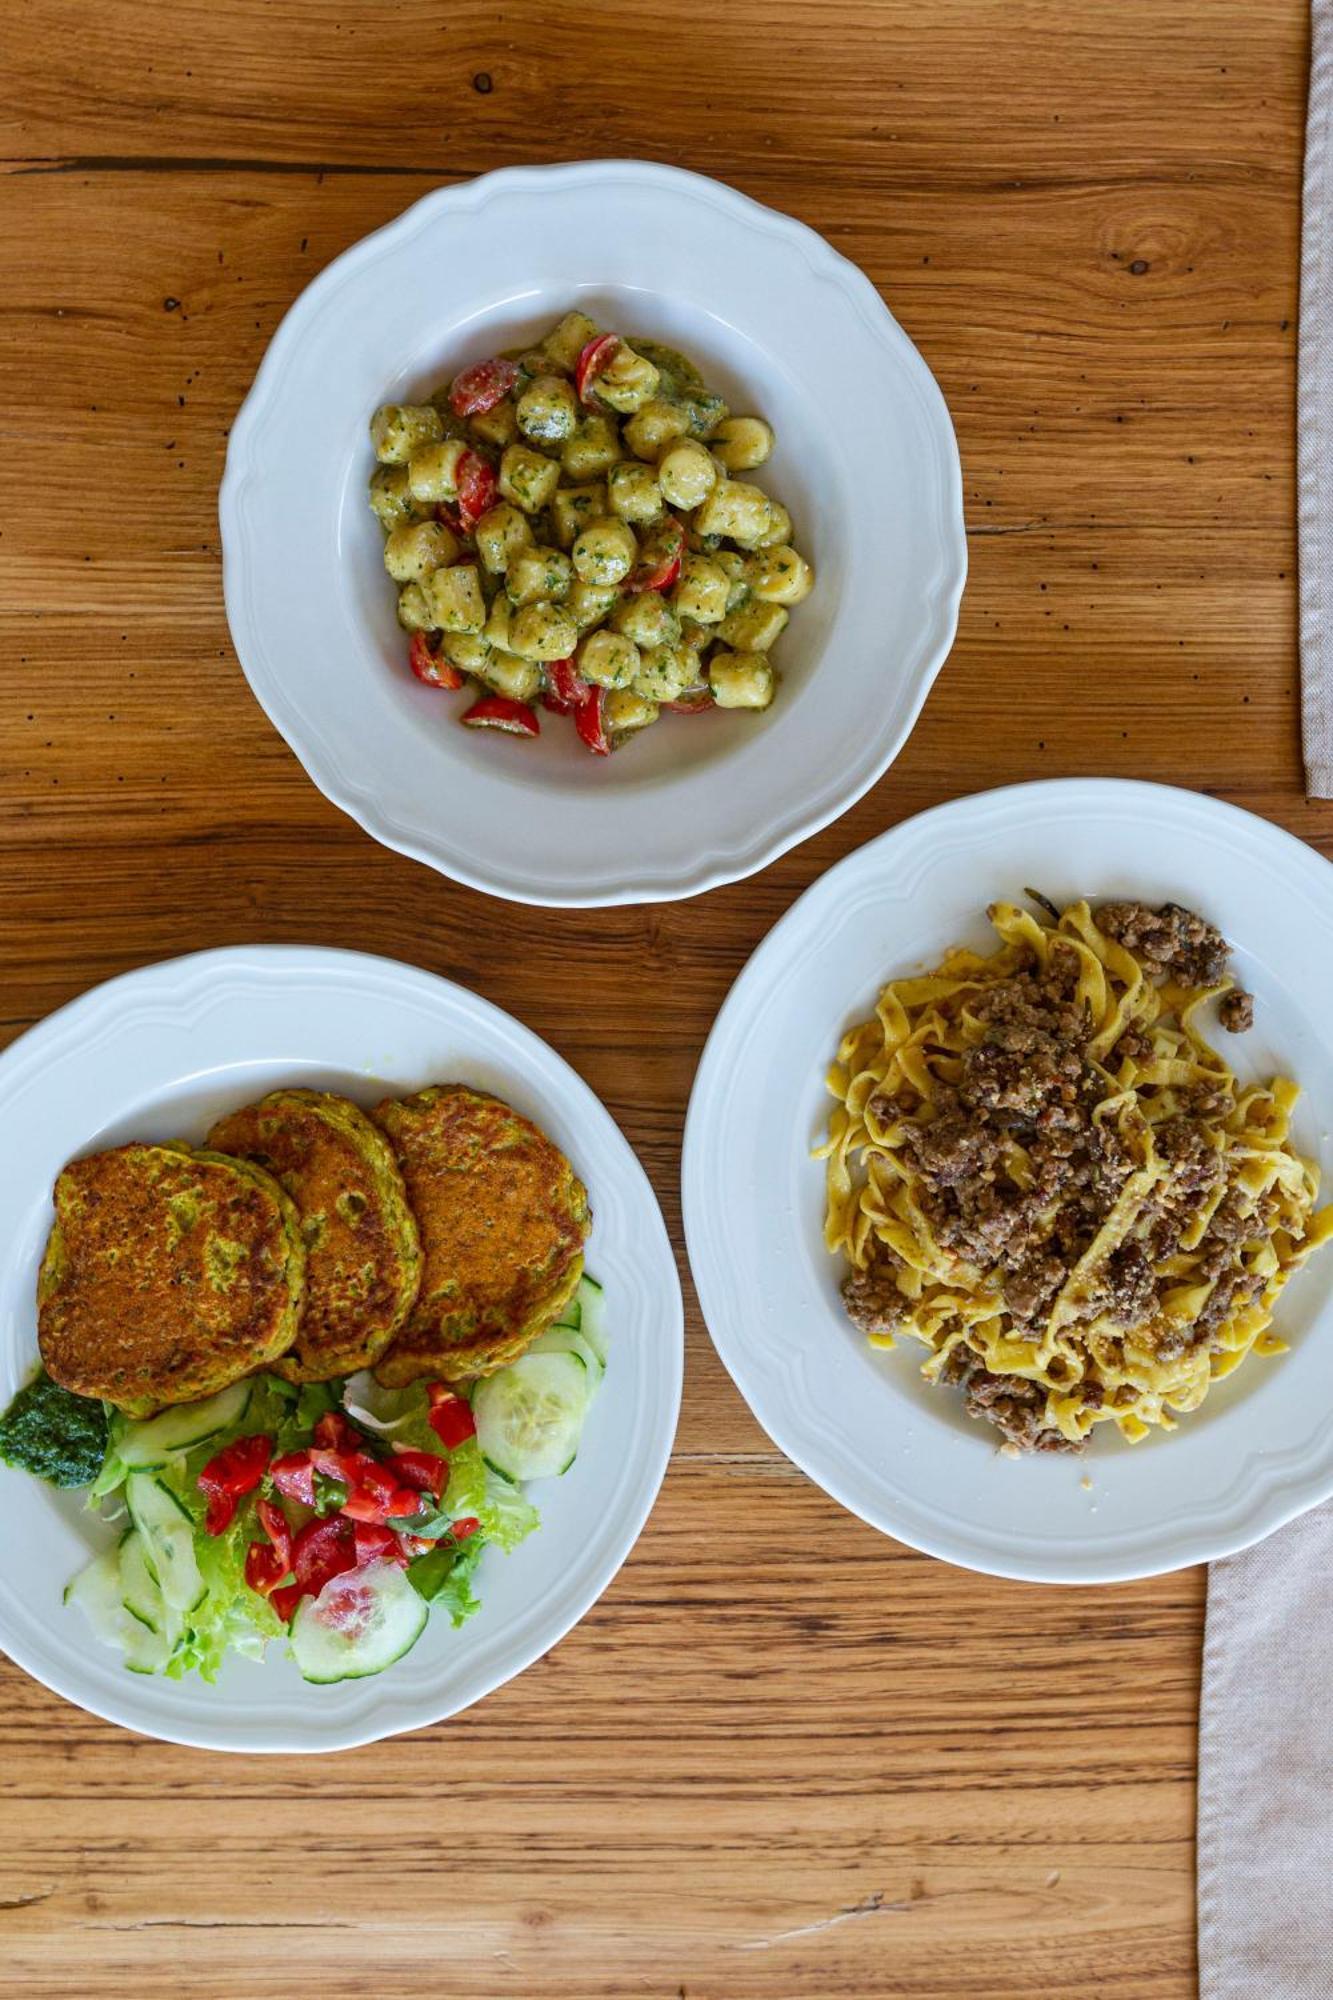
(154, 1441)
(590, 1301)
(564, 1339)
(168, 1533)
(530, 1415)
(140, 1592)
(361, 1622)
(97, 1592)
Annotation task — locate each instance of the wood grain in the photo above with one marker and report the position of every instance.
(782, 1757)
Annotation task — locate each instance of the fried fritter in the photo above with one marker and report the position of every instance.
(503, 1219)
(169, 1274)
(363, 1255)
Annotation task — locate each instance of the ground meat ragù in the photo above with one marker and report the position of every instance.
(1015, 1130)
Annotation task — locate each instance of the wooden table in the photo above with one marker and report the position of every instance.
(783, 1756)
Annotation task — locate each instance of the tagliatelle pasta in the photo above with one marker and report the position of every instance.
(1041, 1169)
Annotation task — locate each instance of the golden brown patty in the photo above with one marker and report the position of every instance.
(363, 1257)
(503, 1219)
(169, 1274)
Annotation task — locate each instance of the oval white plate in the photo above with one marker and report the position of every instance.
(778, 321)
(159, 1054)
(863, 1424)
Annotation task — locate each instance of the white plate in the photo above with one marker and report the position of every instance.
(863, 1424)
(866, 461)
(159, 1054)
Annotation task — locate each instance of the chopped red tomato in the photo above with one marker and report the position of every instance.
(374, 1542)
(336, 1432)
(264, 1568)
(465, 1528)
(293, 1476)
(429, 667)
(323, 1549)
(451, 1416)
(591, 724)
(660, 565)
(592, 361)
(483, 385)
(477, 488)
(374, 1491)
(278, 1529)
(229, 1475)
(497, 711)
(424, 1470)
(285, 1601)
(566, 689)
(692, 703)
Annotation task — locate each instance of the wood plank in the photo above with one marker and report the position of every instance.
(782, 1757)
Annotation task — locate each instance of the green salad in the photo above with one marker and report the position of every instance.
(333, 1515)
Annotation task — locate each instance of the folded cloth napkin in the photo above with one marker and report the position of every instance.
(1315, 417)
(1266, 1770)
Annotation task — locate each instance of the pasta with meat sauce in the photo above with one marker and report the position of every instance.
(1040, 1168)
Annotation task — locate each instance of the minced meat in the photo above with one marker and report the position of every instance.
(1187, 947)
(1236, 1011)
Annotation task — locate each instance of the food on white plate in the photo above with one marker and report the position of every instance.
(573, 526)
(1041, 1168)
(301, 1498)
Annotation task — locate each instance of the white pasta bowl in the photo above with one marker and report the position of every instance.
(783, 326)
(864, 1424)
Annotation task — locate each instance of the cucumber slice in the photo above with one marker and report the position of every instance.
(530, 1415)
(168, 1533)
(591, 1302)
(97, 1590)
(139, 1589)
(564, 1339)
(153, 1441)
(361, 1622)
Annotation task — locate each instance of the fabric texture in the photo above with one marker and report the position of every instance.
(1266, 1770)
(1315, 417)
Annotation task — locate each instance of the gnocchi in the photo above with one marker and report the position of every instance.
(572, 523)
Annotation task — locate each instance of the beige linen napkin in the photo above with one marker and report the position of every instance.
(1266, 1770)
(1315, 417)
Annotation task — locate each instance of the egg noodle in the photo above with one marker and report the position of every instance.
(1144, 1061)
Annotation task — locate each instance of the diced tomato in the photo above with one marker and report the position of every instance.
(591, 362)
(483, 385)
(566, 689)
(229, 1475)
(465, 1528)
(429, 667)
(693, 703)
(451, 517)
(373, 1542)
(497, 711)
(450, 1417)
(424, 1470)
(293, 1476)
(323, 1549)
(264, 1567)
(660, 566)
(591, 725)
(285, 1601)
(477, 488)
(335, 1431)
(278, 1529)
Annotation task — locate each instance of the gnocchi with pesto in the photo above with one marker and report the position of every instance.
(574, 525)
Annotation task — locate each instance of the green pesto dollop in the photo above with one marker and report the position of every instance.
(53, 1433)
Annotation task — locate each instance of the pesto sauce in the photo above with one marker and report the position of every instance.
(58, 1436)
